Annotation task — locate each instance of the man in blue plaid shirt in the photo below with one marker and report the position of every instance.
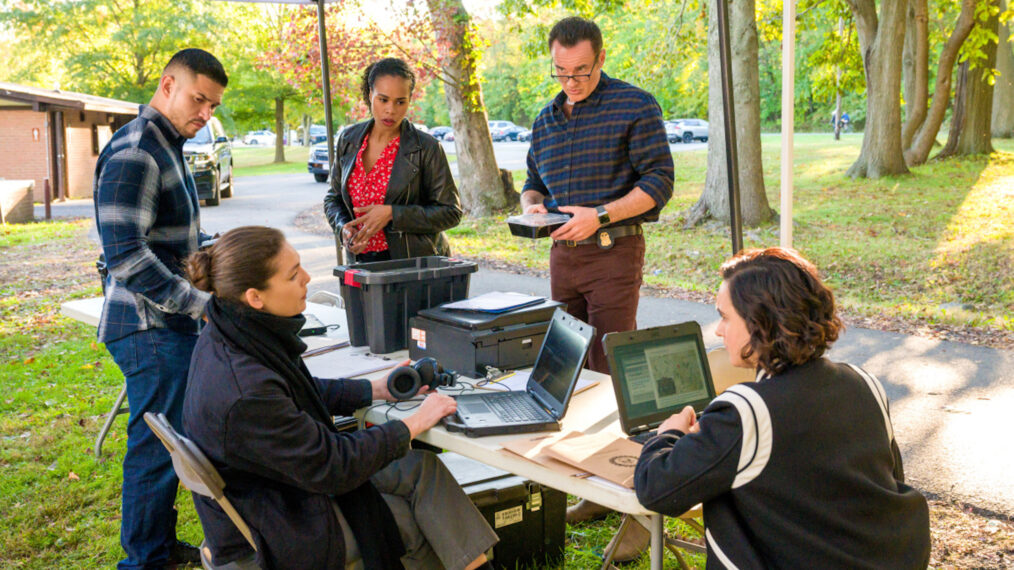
(599, 152)
(146, 211)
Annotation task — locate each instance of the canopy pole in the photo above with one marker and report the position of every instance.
(325, 75)
(788, 117)
(731, 155)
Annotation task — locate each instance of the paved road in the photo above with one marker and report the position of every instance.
(952, 403)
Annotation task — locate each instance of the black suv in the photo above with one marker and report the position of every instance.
(209, 155)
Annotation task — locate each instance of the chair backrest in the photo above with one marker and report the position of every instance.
(724, 374)
(195, 470)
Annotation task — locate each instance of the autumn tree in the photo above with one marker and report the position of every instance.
(881, 41)
(1003, 90)
(714, 200)
(971, 130)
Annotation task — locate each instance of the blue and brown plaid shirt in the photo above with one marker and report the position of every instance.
(148, 218)
(613, 141)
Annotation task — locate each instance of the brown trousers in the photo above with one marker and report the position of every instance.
(600, 287)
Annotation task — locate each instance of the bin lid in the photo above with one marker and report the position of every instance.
(404, 270)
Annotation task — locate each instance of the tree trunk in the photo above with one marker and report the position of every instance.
(1003, 91)
(973, 105)
(479, 178)
(714, 200)
(926, 135)
(916, 67)
(279, 129)
(881, 42)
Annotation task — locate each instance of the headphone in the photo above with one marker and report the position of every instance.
(406, 381)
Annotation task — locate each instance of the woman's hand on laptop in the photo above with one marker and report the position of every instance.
(433, 409)
(685, 421)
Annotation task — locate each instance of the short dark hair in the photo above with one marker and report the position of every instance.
(243, 258)
(387, 67)
(573, 30)
(789, 313)
(200, 62)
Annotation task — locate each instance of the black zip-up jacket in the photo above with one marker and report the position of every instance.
(421, 192)
(281, 467)
(798, 470)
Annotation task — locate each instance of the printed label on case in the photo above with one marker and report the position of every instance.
(419, 336)
(508, 517)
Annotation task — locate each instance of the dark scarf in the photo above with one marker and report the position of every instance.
(275, 343)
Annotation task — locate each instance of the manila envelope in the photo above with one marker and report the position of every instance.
(534, 449)
(604, 454)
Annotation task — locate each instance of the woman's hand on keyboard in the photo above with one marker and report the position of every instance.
(432, 410)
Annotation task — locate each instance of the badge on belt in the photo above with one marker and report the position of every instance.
(605, 240)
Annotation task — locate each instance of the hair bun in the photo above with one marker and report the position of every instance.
(198, 270)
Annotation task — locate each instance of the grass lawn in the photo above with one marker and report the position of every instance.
(936, 246)
(257, 160)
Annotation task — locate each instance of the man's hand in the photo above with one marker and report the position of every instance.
(581, 226)
(432, 410)
(685, 421)
(369, 220)
(536, 209)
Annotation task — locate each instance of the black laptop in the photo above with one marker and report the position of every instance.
(541, 406)
(656, 373)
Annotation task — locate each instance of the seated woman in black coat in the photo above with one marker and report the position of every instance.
(799, 469)
(266, 424)
(392, 194)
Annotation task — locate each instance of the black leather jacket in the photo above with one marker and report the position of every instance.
(421, 192)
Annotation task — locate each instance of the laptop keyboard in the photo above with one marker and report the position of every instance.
(510, 408)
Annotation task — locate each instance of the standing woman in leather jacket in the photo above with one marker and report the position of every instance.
(391, 194)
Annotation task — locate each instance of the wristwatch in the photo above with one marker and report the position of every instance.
(603, 215)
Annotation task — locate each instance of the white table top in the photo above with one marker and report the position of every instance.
(591, 411)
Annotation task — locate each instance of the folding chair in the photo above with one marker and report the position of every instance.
(327, 298)
(724, 375)
(198, 474)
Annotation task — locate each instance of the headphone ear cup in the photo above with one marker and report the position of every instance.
(429, 371)
(404, 383)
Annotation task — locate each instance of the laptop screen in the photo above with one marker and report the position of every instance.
(660, 375)
(562, 356)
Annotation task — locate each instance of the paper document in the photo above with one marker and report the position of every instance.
(605, 454)
(495, 302)
(534, 449)
(346, 364)
(518, 381)
(320, 344)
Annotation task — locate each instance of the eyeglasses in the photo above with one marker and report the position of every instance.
(579, 78)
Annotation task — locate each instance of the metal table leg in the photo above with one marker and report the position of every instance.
(117, 410)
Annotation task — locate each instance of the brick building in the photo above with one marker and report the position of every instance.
(56, 135)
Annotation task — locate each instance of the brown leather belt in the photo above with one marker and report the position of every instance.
(605, 237)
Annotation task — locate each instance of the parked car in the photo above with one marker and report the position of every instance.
(259, 137)
(511, 133)
(498, 130)
(318, 134)
(317, 164)
(209, 155)
(448, 136)
(689, 130)
(525, 135)
(670, 132)
(439, 132)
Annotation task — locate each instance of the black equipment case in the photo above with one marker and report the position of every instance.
(528, 518)
(468, 341)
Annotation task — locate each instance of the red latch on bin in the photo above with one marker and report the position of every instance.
(350, 278)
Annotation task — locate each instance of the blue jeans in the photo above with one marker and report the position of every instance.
(155, 363)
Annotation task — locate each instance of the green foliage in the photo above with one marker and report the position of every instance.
(113, 48)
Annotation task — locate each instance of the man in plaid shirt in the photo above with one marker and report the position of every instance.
(146, 211)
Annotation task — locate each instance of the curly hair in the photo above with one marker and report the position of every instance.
(243, 258)
(789, 313)
(387, 67)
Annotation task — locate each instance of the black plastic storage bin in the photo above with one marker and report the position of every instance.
(380, 297)
(528, 518)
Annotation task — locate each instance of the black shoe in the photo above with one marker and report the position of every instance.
(183, 555)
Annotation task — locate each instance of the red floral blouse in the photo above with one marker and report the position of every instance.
(370, 188)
